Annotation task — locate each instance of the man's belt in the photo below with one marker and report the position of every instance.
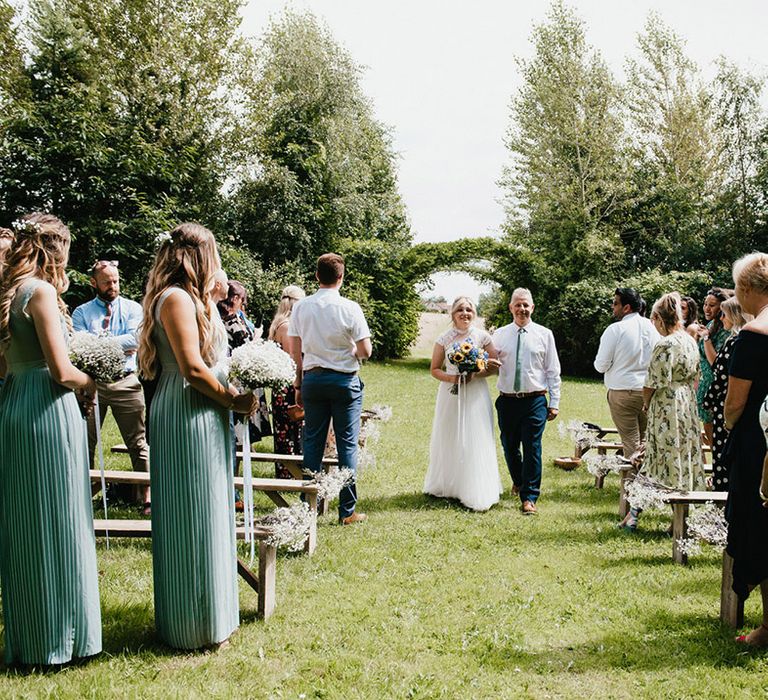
(318, 370)
(523, 394)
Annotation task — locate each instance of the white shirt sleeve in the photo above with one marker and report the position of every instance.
(604, 359)
(360, 328)
(552, 370)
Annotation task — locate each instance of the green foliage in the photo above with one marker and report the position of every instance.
(321, 168)
(582, 312)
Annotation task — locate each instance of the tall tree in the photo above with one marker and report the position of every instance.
(566, 185)
(676, 159)
(322, 168)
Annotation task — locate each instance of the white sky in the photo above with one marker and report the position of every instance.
(441, 74)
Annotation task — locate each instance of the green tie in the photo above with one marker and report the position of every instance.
(520, 340)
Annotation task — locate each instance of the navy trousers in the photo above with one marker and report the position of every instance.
(333, 396)
(521, 424)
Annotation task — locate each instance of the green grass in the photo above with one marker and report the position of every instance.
(427, 600)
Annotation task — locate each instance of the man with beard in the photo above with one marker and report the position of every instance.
(109, 313)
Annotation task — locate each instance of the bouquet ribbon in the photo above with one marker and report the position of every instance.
(100, 448)
(247, 486)
(461, 412)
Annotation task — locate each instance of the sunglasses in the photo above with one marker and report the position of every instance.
(100, 264)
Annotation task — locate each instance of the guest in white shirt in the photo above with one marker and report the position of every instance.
(329, 336)
(623, 357)
(529, 369)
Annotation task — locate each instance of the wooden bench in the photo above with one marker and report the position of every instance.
(731, 608)
(293, 463)
(263, 582)
(274, 488)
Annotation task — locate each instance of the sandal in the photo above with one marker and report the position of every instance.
(742, 639)
(630, 520)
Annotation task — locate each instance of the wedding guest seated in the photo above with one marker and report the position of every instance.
(747, 388)
(673, 442)
(287, 425)
(714, 400)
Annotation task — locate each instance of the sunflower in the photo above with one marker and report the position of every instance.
(481, 365)
(466, 347)
(457, 357)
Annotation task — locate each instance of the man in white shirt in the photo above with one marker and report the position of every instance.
(623, 357)
(530, 368)
(329, 337)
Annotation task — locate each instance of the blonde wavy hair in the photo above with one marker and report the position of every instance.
(291, 294)
(669, 310)
(457, 302)
(41, 250)
(188, 259)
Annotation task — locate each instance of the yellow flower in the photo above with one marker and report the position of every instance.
(481, 365)
(457, 357)
(466, 347)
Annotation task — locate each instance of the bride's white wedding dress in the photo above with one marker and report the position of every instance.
(462, 453)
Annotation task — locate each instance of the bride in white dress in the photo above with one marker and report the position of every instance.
(462, 453)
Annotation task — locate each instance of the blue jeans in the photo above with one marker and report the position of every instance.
(330, 395)
(522, 422)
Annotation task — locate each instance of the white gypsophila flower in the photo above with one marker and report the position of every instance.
(707, 523)
(289, 526)
(689, 546)
(581, 434)
(260, 364)
(369, 434)
(366, 460)
(99, 356)
(330, 483)
(382, 413)
(18, 225)
(600, 465)
(644, 493)
(162, 238)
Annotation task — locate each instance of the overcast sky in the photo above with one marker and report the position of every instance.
(441, 74)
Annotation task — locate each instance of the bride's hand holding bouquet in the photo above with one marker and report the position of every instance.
(468, 359)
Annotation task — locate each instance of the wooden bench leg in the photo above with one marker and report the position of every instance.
(267, 566)
(277, 499)
(600, 481)
(624, 475)
(679, 531)
(311, 544)
(731, 607)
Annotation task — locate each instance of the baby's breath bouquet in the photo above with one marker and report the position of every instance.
(260, 364)
(290, 526)
(99, 356)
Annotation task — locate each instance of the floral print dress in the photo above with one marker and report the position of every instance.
(673, 442)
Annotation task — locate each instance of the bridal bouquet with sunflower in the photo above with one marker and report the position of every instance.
(467, 358)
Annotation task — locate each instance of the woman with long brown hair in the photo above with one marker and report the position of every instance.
(47, 547)
(193, 520)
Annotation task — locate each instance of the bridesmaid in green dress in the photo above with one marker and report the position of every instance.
(47, 546)
(193, 519)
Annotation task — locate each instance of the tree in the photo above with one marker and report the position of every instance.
(675, 153)
(116, 121)
(321, 168)
(565, 186)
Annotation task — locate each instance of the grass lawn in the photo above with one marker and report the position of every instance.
(427, 600)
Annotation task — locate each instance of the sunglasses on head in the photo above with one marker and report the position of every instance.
(100, 264)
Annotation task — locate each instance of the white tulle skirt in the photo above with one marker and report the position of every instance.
(462, 454)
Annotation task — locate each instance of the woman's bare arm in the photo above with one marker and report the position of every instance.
(180, 324)
(735, 400)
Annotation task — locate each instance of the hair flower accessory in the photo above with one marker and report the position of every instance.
(21, 226)
(162, 237)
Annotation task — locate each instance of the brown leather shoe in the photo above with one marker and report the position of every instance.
(528, 508)
(354, 518)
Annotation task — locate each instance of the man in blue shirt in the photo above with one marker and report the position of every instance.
(119, 317)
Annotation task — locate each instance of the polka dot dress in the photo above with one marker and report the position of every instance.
(714, 402)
